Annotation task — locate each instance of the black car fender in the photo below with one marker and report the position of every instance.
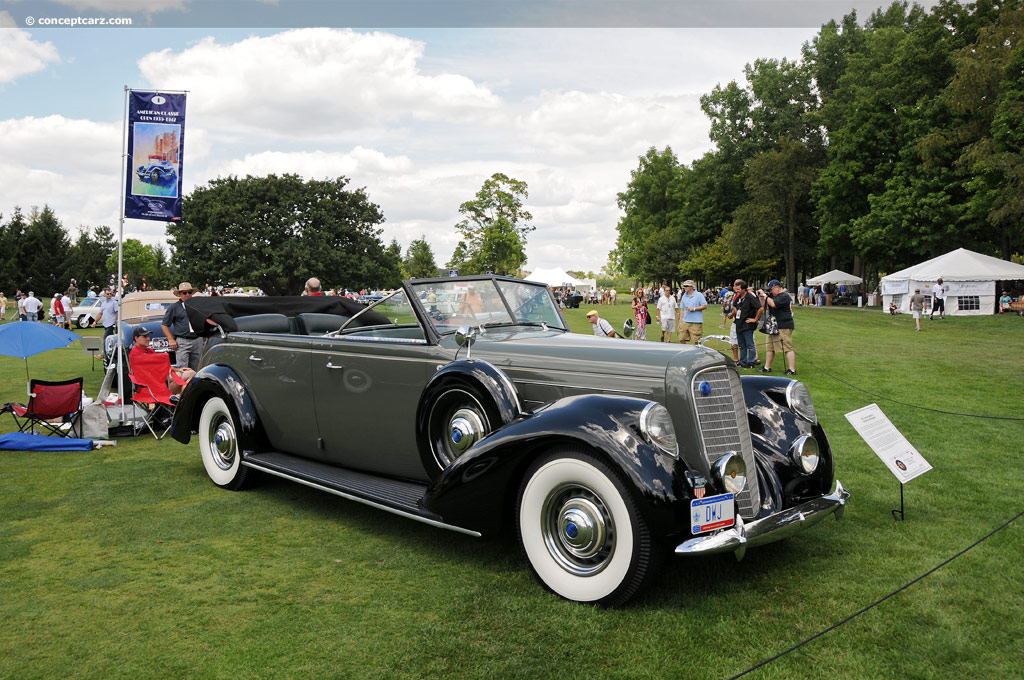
(478, 490)
(218, 380)
(485, 374)
(774, 427)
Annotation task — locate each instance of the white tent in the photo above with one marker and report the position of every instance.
(970, 279)
(835, 276)
(554, 277)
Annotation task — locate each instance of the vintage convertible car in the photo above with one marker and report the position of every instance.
(157, 170)
(604, 454)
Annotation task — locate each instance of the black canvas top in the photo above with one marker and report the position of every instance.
(224, 309)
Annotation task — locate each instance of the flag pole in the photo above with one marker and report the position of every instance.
(119, 346)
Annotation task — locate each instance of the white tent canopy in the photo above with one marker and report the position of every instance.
(554, 277)
(969, 277)
(835, 276)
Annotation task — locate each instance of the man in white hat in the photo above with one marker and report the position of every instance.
(180, 335)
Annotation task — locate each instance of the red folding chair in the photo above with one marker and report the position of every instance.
(148, 372)
(50, 400)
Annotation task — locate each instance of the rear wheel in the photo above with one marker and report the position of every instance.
(219, 447)
(581, 530)
(83, 321)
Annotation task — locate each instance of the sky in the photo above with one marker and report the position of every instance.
(564, 95)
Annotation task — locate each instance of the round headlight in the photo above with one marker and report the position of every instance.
(799, 399)
(804, 453)
(730, 472)
(656, 424)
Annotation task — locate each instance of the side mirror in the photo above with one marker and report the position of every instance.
(628, 328)
(466, 336)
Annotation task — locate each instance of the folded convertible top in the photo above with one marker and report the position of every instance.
(224, 309)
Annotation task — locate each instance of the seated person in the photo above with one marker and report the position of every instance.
(1004, 302)
(142, 352)
(892, 309)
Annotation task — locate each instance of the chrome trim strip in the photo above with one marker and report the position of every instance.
(602, 376)
(769, 529)
(357, 499)
(590, 388)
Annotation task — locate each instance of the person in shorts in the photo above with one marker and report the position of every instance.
(779, 304)
(917, 306)
(667, 313)
(692, 305)
(939, 300)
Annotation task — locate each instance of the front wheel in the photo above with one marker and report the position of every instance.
(83, 321)
(582, 532)
(218, 445)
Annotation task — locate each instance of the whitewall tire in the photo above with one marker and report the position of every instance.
(219, 446)
(581, 531)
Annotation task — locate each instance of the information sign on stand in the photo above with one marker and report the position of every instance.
(889, 444)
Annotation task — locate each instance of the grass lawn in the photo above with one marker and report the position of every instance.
(127, 562)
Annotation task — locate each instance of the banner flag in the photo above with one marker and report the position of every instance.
(156, 139)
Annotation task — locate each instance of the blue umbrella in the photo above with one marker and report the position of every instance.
(26, 338)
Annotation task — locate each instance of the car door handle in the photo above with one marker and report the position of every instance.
(253, 357)
(331, 365)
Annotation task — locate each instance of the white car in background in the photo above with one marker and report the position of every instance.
(86, 311)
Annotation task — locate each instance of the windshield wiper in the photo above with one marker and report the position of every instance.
(536, 324)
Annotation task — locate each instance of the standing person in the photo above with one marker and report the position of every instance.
(19, 303)
(72, 292)
(108, 314)
(939, 301)
(667, 313)
(313, 287)
(31, 306)
(181, 337)
(612, 294)
(726, 308)
(3, 306)
(780, 304)
(748, 311)
(917, 307)
(691, 306)
(641, 314)
(602, 328)
(57, 310)
(65, 300)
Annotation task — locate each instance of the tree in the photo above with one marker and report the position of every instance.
(277, 231)
(139, 261)
(419, 260)
(777, 216)
(12, 235)
(42, 261)
(87, 259)
(493, 228)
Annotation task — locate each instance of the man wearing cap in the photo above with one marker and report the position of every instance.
(692, 305)
(780, 303)
(141, 352)
(180, 335)
(601, 327)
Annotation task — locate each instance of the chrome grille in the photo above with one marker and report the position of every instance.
(722, 417)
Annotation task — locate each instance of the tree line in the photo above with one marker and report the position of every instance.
(884, 144)
(272, 232)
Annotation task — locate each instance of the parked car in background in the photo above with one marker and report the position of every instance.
(156, 171)
(85, 312)
(604, 456)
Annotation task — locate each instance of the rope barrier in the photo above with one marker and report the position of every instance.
(880, 600)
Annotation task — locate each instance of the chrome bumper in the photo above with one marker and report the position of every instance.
(772, 528)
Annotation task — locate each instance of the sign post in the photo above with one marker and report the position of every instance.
(889, 444)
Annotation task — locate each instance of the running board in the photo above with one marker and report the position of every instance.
(394, 496)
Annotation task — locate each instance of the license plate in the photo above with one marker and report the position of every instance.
(159, 345)
(713, 512)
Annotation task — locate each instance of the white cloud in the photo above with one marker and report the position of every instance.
(127, 6)
(312, 164)
(315, 82)
(19, 53)
(64, 145)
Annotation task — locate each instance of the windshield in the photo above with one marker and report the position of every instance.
(451, 304)
(395, 307)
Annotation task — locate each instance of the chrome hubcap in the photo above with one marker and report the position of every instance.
(465, 429)
(577, 530)
(222, 443)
